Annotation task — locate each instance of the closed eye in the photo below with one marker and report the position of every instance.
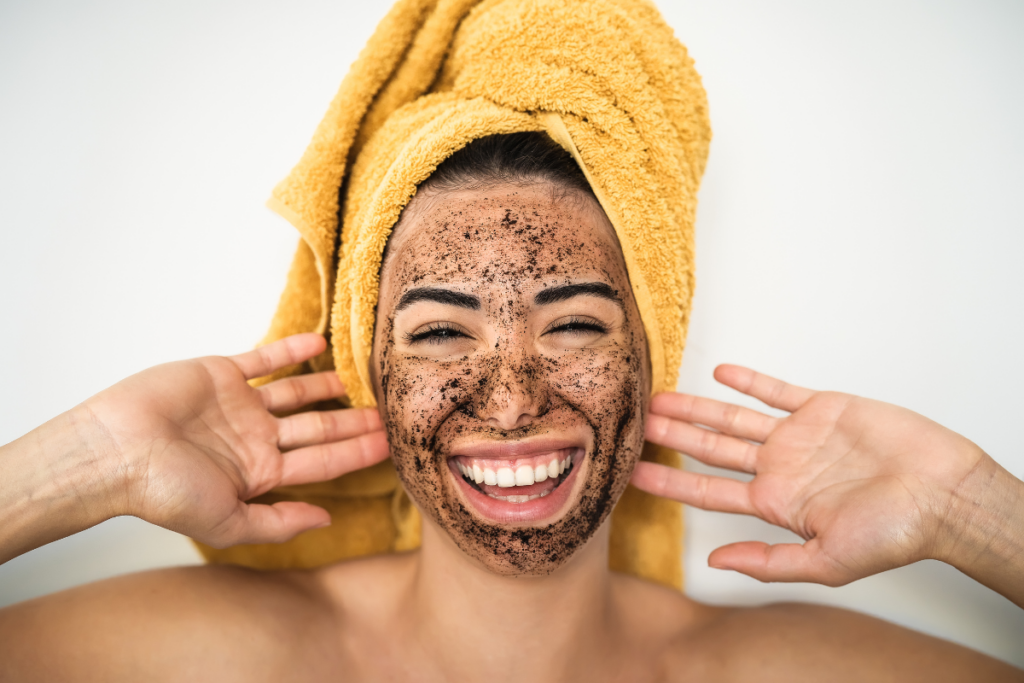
(578, 327)
(435, 333)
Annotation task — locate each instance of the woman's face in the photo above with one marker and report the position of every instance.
(510, 366)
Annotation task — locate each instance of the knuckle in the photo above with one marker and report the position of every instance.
(660, 428)
(702, 491)
(661, 483)
(325, 461)
(749, 458)
(708, 442)
(321, 425)
(730, 416)
(298, 392)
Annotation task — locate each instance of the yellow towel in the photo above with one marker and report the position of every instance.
(608, 81)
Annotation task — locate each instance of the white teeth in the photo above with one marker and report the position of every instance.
(553, 469)
(524, 475)
(506, 477)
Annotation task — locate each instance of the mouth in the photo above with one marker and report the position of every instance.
(523, 483)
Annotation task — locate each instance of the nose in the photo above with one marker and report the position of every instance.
(513, 394)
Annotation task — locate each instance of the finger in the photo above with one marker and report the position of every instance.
(782, 562)
(712, 448)
(725, 417)
(279, 354)
(294, 392)
(768, 390)
(256, 523)
(323, 426)
(699, 490)
(331, 460)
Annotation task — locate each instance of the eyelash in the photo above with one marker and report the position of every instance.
(436, 333)
(578, 326)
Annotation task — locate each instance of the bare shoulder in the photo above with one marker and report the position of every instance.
(796, 642)
(190, 623)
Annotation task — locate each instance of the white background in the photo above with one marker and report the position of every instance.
(859, 227)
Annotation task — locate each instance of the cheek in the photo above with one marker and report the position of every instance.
(419, 395)
(591, 378)
(612, 387)
(602, 382)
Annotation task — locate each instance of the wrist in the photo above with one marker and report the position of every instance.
(983, 525)
(96, 468)
(58, 479)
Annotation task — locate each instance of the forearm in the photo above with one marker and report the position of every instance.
(58, 479)
(985, 526)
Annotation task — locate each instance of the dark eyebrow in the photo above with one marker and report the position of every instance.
(441, 296)
(563, 292)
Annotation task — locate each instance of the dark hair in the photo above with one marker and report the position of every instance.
(516, 158)
(511, 158)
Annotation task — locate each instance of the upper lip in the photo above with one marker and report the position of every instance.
(515, 449)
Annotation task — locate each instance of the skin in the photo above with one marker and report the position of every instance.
(185, 445)
(511, 369)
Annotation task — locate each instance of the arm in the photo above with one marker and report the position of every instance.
(185, 445)
(868, 485)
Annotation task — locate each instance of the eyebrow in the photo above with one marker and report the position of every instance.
(563, 292)
(438, 295)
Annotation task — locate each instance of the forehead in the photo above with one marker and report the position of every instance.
(501, 232)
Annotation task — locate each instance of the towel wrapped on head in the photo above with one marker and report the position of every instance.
(609, 82)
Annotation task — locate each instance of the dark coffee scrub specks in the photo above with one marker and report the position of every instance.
(511, 369)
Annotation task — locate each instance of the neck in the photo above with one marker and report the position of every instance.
(533, 628)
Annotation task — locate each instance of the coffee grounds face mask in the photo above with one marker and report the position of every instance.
(510, 366)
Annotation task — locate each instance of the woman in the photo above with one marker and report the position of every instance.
(578, 380)
(545, 380)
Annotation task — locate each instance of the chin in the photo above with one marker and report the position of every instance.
(525, 507)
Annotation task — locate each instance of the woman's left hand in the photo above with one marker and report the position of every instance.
(869, 486)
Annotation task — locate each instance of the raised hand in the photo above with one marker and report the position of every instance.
(193, 441)
(869, 486)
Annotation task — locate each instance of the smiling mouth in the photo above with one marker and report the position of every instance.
(518, 480)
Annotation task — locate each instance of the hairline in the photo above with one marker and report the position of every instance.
(428, 195)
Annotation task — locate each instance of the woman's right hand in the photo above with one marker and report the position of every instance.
(191, 441)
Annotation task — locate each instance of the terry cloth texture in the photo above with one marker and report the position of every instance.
(607, 80)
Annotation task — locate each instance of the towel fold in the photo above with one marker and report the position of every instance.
(609, 82)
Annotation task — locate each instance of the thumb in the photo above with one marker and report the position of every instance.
(785, 562)
(277, 523)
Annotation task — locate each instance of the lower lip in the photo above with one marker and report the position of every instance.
(533, 511)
